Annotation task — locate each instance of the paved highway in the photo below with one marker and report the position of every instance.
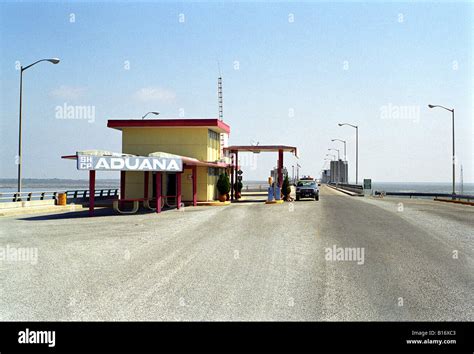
(247, 261)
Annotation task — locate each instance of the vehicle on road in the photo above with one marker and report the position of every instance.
(306, 187)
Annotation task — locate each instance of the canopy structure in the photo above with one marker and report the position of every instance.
(234, 150)
(158, 162)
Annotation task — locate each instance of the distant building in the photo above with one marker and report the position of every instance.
(339, 172)
(326, 176)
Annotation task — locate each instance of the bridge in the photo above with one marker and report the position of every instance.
(342, 258)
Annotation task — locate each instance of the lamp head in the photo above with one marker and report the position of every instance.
(430, 106)
(54, 60)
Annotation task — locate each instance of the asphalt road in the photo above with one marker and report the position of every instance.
(246, 261)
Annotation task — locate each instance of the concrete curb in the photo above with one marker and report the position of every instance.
(454, 201)
(352, 194)
(54, 209)
(213, 203)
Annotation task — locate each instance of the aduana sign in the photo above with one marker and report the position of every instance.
(129, 163)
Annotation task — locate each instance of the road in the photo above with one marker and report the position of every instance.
(247, 261)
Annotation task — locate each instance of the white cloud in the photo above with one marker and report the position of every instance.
(68, 92)
(149, 94)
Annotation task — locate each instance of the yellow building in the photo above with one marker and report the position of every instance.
(197, 141)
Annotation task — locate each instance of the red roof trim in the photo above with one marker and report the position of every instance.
(198, 122)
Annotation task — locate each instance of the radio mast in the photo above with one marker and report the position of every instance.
(219, 97)
(220, 102)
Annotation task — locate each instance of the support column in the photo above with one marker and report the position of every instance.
(145, 189)
(158, 192)
(236, 166)
(194, 172)
(91, 192)
(232, 176)
(280, 168)
(122, 187)
(178, 190)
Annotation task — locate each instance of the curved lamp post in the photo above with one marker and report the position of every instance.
(53, 61)
(342, 141)
(454, 155)
(155, 113)
(357, 148)
(338, 157)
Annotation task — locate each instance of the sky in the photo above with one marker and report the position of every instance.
(291, 72)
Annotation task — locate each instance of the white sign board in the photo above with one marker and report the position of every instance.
(129, 163)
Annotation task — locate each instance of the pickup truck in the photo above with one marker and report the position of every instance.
(307, 188)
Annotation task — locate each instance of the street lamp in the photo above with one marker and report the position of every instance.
(332, 155)
(454, 155)
(337, 152)
(53, 61)
(357, 148)
(155, 113)
(342, 141)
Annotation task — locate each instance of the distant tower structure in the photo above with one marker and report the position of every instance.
(224, 138)
(219, 98)
(462, 181)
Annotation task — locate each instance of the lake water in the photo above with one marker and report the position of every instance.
(10, 185)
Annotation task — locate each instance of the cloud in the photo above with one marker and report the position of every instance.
(150, 94)
(68, 92)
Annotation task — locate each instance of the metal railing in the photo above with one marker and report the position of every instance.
(48, 195)
(84, 193)
(423, 194)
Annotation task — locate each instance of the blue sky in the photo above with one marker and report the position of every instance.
(291, 72)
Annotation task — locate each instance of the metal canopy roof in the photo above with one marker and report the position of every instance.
(260, 148)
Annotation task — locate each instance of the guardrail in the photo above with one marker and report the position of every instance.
(84, 193)
(45, 195)
(355, 188)
(423, 194)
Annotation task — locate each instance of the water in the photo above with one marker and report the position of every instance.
(420, 187)
(10, 185)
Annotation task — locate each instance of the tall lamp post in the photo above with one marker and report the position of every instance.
(342, 141)
(454, 153)
(357, 148)
(22, 68)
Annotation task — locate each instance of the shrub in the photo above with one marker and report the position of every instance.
(286, 189)
(223, 184)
